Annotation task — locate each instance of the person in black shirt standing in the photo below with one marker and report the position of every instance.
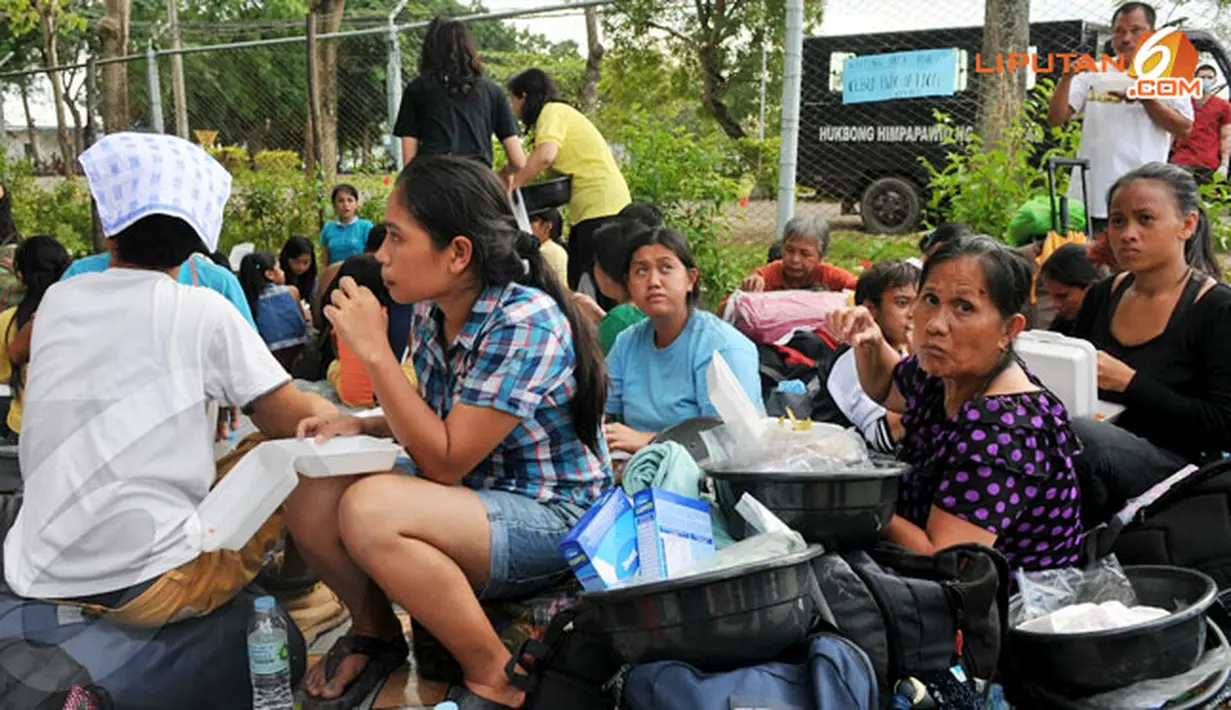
(451, 108)
(1163, 334)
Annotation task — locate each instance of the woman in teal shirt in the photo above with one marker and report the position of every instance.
(348, 234)
(657, 368)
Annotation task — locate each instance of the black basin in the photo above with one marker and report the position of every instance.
(1081, 664)
(718, 620)
(839, 510)
(547, 194)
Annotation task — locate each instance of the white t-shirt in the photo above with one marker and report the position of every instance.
(1117, 137)
(863, 412)
(115, 446)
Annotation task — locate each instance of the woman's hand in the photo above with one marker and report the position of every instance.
(358, 319)
(753, 284)
(590, 310)
(855, 326)
(1113, 375)
(325, 428)
(622, 438)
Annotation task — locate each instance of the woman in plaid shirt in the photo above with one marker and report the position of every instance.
(504, 429)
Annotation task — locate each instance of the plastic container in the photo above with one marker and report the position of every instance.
(343, 456)
(556, 192)
(718, 620)
(245, 498)
(1082, 664)
(269, 667)
(1068, 366)
(842, 511)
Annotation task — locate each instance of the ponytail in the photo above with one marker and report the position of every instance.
(1199, 250)
(590, 400)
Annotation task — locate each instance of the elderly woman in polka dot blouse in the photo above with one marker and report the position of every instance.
(990, 449)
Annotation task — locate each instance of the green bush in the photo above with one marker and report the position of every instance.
(234, 158)
(277, 161)
(687, 177)
(982, 187)
(63, 211)
(1216, 198)
(267, 208)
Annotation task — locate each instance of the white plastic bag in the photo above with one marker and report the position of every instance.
(519, 211)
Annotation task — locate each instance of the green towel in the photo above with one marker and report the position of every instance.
(669, 467)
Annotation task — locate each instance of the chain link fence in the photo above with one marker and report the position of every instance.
(863, 155)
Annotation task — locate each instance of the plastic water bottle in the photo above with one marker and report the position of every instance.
(269, 663)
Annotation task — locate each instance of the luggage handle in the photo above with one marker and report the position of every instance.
(1052, 164)
(1102, 539)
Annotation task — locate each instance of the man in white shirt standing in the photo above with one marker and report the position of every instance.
(1118, 134)
(116, 449)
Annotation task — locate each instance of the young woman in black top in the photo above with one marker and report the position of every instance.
(1163, 332)
(1066, 277)
(451, 108)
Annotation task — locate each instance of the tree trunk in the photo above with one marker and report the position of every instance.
(33, 130)
(1006, 29)
(178, 92)
(329, 19)
(594, 63)
(51, 56)
(366, 142)
(713, 87)
(113, 30)
(79, 128)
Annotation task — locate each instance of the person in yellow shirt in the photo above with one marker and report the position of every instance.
(39, 263)
(567, 143)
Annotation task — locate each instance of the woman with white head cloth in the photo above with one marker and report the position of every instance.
(114, 452)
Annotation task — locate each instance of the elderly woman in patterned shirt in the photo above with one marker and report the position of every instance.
(990, 449)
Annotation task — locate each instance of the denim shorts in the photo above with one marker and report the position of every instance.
(526, 535)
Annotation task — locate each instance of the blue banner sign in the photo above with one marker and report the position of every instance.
(900, 75)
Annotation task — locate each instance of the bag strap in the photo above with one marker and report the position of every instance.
(192, 266)
(1101, 539)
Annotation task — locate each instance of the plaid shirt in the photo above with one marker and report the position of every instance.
(515, 354)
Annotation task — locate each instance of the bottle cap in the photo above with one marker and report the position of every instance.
(264, 604)
(446, 705)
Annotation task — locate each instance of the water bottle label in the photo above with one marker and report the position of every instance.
(268, 658)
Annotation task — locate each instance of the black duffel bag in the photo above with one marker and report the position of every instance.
(919, 615)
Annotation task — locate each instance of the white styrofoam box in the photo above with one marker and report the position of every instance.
(1068, 366)
(343, 455)
(245, 498)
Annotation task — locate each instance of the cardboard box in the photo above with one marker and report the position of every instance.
(602, 548)
(673, 532)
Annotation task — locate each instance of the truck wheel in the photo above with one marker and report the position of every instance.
(890, 205)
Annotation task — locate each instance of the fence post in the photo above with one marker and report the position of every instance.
(151, 72)
(393, 85)
(791, 86)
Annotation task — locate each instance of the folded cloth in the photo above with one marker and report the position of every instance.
(668, 466)
(133, 175)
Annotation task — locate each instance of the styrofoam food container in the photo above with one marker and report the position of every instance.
(343, 456)
(1068, 366)
(245, 498)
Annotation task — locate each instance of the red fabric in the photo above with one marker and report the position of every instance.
(834, 278)
(791, 356)
(1201, 148)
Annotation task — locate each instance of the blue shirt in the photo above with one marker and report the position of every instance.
(515, 354)
(345, 240)
(207, 274)
(280, 319)
(653, 388)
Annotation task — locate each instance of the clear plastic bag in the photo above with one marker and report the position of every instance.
(1044, 592)
(815, 447)
(774, 539)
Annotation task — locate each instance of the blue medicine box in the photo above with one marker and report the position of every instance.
(673, 532)
(601, 549)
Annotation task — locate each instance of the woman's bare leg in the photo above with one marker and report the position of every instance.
(429, 548)
(312, 516)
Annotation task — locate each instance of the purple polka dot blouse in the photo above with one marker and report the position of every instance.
(1004, 463)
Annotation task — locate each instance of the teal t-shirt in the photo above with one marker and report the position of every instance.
(653, 388)
(345, 240)
(615, 322)
(208, 274)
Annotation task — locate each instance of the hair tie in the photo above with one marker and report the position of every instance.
(525, 267)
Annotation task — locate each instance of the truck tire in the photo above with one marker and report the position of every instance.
(890, 205)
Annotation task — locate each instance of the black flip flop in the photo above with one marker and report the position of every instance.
(384, 657)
